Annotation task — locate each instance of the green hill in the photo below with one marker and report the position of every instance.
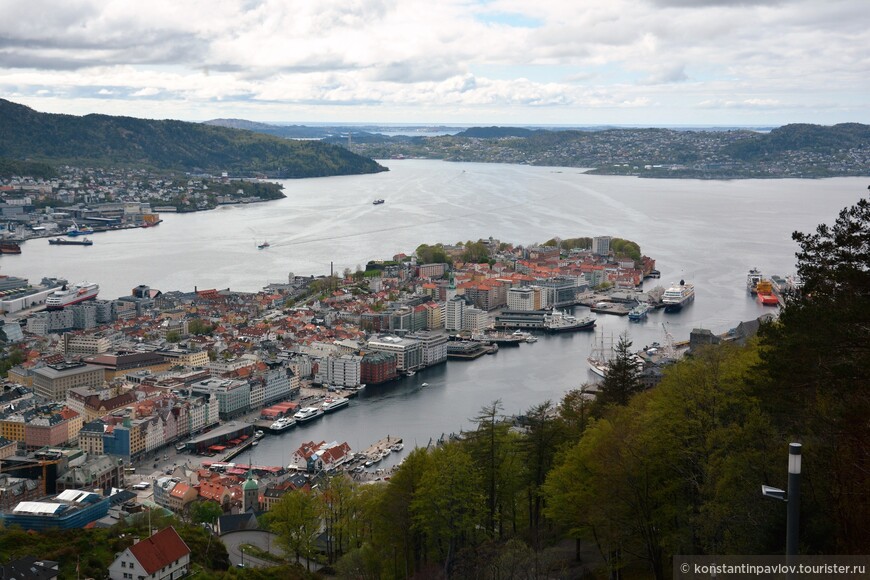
(102, 140)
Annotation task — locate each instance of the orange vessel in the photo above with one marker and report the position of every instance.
(765, 293)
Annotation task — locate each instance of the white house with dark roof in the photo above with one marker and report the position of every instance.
(163, 556)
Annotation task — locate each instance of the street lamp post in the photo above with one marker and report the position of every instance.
(794, 501)
(792, 498)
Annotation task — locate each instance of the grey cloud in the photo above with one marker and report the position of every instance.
(415, 71)
(667, 75)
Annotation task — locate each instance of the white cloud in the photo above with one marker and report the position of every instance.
(719, 60)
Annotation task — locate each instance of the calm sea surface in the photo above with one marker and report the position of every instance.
(708, 232)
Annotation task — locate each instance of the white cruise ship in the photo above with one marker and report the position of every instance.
(678, 296)
(73, 295)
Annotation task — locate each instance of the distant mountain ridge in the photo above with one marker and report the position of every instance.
(102, 140)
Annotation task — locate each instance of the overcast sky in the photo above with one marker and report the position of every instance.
(507, 62)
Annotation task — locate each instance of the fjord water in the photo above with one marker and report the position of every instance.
(708, 232)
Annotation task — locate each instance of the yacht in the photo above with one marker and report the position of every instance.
(333, 404)
(282, 424)
(307, 414)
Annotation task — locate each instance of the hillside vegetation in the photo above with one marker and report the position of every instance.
(102, 140)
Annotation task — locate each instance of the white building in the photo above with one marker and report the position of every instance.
(434, 347)
(343, 371)
(454, 314)
(163, 556)
(475, 320)
(409, 352)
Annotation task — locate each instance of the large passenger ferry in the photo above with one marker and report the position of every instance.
(678, 296)
(74, 295)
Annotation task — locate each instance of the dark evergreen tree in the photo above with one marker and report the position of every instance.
(817, 363)
(621, 380)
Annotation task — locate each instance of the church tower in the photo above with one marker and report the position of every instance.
(250, 494)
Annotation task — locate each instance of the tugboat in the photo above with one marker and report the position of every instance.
(752, 280)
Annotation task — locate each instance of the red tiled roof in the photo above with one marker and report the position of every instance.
(160, 550)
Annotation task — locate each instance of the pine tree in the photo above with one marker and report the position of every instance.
(621, 380)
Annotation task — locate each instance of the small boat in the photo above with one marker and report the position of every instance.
(369, 463)
(258, 434)
(531, 339)
(397, 447)
(411, 373)
(263, 246)
(254, 443)
(377, 202)
(386, 452)
(425, 385)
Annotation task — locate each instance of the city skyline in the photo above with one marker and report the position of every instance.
(625, 62)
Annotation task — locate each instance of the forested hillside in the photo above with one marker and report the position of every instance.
(105, 141)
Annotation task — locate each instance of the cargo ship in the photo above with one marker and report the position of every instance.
(63, 242)
(68, 296)
(678, 296)
(764, 289)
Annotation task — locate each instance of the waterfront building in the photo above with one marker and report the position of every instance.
(314, 457)
(409, 352)
(434, 347)
(53, 381)
(343, 371)
(163, 556)
(454, 314)
(377, 367)
(70, 509)
(560, 292)
(475, 320)
(234, 396)
(524, 298)
(520, 319)
(258, 393)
